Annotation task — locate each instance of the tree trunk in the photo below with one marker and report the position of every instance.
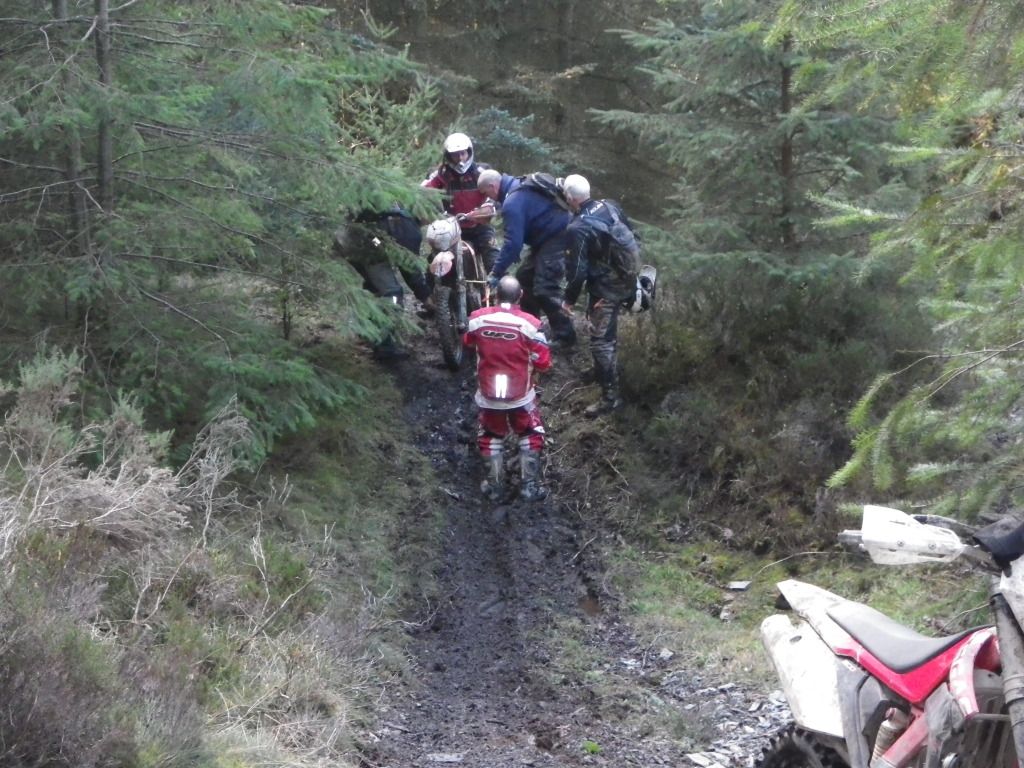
(105, 159)
(786, 149)
(78, 229)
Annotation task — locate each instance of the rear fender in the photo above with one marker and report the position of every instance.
(807, 670)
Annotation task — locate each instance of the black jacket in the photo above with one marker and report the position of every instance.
(587, 260)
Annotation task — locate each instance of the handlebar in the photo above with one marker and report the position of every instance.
(963, 530)
(851, 540)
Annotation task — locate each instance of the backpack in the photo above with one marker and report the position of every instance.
(545, 184)
(623, 247)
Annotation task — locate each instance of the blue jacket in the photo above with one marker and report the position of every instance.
(529, 217)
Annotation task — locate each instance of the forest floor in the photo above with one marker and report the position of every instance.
(526, 659)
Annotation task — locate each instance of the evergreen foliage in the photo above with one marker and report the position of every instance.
(241, 135)
(768, 326)
(945, 429)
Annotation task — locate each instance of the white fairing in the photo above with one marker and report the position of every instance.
(443, 234)
(892, 537)
(807, 670)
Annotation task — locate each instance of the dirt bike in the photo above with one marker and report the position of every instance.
(868, 692)
(459, 285)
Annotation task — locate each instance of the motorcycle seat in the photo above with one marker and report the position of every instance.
(899, 647)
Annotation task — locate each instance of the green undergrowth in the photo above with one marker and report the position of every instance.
(676, 554)
(692, 598)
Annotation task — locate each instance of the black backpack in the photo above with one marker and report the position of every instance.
(623, 247)
(545, 184)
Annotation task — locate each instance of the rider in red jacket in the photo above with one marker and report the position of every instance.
(510, 346)
(456, 177)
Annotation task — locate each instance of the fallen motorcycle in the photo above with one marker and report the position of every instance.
(459, 285)
(868, 692)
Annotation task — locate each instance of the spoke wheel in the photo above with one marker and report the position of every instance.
(447, 327)
(473, 299)
(796, 748)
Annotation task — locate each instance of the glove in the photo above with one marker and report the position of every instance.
(492, 281)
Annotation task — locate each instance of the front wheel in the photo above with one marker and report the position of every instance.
(447, 326)
(796, 748)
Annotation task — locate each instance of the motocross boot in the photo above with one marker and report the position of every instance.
(610, 399)
(493, 486)
(529, 465)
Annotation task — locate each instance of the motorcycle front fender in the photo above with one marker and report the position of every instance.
(807, 670)
(442, 263)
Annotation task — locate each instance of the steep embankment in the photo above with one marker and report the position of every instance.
(523, 659)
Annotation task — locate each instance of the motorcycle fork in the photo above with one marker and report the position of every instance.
(1011, 651)
(460, 290)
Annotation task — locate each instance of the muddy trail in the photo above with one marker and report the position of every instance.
(525, 660)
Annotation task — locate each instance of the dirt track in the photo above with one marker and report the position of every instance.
(491, 687)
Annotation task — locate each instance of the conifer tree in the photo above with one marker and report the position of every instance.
(174, 173)
(731, 121)
(765, 332)
(945, 427)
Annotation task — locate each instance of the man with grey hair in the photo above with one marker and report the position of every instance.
(589, 262)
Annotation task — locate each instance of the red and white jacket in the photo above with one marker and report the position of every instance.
(509, 347)
(461, 194)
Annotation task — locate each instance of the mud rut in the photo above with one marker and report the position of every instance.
(485, 692)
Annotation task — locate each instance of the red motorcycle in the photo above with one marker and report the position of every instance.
(868, 692)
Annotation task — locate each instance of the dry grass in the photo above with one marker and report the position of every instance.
(159, 617)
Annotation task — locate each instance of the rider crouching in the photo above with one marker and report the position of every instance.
(510, 346)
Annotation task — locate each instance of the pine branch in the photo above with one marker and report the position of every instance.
(191, 133)
(218, 224)
(179, 311)
(31, 166)
(42, 191)
(989, 355)
(227, 188)
(148, 39)
(215, 267)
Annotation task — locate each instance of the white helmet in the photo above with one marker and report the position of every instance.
(643, 297)
(443, 234)
(458, 142)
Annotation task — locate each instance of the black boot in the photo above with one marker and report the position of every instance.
(609, 402)
(563, 333)
(610, 399)
(388, 349)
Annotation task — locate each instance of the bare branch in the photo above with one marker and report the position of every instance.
(218, 224)
(216, 267)
(179, 311)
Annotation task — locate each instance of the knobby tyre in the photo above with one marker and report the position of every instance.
(474, 299)
(447, 327)
(796, 748)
